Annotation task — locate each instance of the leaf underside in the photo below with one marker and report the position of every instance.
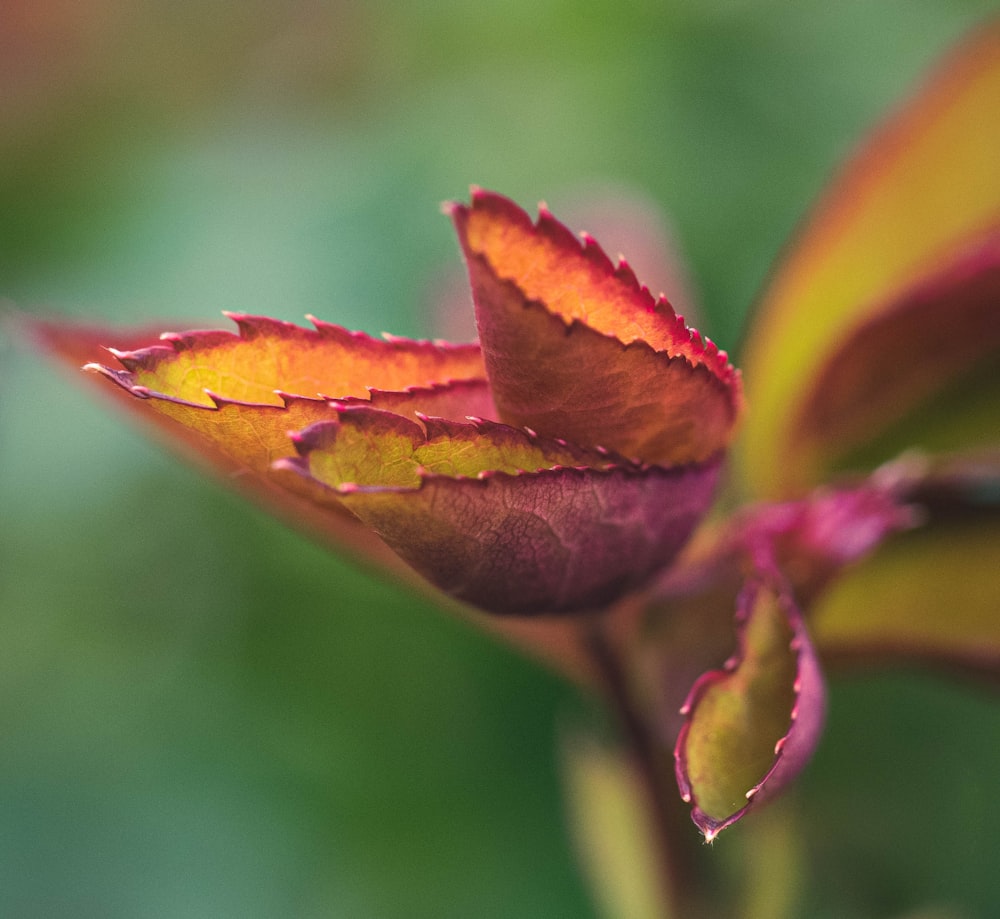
(501, 518)
(575, 348)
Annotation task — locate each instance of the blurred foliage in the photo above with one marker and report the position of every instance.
(205, 715)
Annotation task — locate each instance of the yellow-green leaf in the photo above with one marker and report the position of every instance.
(921, 191)
(932, 594)
(752, 726)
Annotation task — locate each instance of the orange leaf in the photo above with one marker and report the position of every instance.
(163, 384)
(575, 348)
(269, 357)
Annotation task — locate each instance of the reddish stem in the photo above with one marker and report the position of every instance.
(673, 832)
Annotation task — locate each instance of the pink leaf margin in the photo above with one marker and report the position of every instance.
(795, 748)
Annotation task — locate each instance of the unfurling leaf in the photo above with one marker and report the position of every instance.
(751, 727)
(189, 387)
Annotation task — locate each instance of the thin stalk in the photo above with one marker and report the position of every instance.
(670, 823)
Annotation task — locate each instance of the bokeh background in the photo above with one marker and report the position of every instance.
(202, 714)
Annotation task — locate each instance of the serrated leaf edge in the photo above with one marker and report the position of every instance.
(251, 327)
(802, 733)
(705, 351)
(322, 434)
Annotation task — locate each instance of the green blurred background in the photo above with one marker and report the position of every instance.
(204, 715)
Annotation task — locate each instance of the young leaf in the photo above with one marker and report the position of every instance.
(751, 727)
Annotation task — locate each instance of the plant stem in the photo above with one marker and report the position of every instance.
(670, 825)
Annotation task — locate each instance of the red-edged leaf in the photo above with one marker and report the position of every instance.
(368, 448)
(752, 726)
(575, 348)
(573, 531)
(243, 439)
(240, 395)
(813, 541)
(928, 594)
(687, 614)
(553, 640)
(886, 264)
(267, 357)
(768, 562)
(235, 397)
